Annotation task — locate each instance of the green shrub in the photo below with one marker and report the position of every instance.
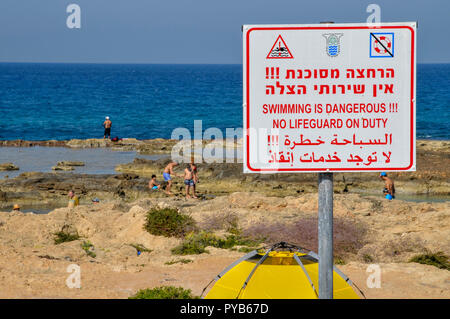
(62, 237)
(195, 243)
(181, 261)
(164, 292)
(438, 259)
(339, 261)
(141, 248)
(87, 247)
(367, 258)
(168, 222)
(190, 246)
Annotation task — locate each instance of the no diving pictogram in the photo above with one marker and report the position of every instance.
(279, 50)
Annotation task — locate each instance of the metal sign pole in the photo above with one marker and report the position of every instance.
(325, 235)
(325, 231)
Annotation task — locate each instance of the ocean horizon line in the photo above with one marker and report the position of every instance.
(156, 63)
(121, 63)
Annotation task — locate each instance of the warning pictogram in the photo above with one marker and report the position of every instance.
(381, 45)
(279, 50)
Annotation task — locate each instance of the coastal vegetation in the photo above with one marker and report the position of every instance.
(141, 248)
(178, 261)
(164, 292)
(196, 243)
(438, 259)
(168, 222)
(63, 237)
(88, 247)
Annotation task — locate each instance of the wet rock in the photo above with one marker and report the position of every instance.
(62, 168)
(8, 167)
(22, 143)
(127, 176)
(70, 163)
(67, 165)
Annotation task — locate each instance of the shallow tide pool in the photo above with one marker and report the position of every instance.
(41, 159)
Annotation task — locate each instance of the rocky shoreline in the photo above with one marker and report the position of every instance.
(151, 146)
(432, 177)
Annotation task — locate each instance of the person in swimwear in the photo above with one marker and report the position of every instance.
(189, 180)
(389, 188)
(194, 177)
(107, 125)
(153, 184)
(73, 200)
(168, 171)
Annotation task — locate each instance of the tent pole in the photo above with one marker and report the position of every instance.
(325, 235)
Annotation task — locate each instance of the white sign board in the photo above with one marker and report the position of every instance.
(329, 97)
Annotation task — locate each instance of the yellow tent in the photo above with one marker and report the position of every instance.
(284, 271)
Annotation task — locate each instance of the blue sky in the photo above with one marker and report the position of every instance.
(188, 31)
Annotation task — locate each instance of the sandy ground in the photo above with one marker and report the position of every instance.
(32, 266)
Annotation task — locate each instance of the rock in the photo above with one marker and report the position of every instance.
(127, 176)
(8, 167)
(88, 143)
(22, 143)
(70, 163)
(66, 165)
(63, 168)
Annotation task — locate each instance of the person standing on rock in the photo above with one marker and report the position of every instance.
(168, 171)
(194, 177)
(107, 125)
(189, 180)
(389, 188)
(73, 200)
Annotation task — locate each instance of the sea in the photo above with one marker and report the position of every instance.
(67, 101)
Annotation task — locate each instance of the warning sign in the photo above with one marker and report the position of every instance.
(279, 50)
(333, 106)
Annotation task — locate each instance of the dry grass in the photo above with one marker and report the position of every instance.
(348, 235)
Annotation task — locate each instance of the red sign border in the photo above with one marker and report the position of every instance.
(329, 169)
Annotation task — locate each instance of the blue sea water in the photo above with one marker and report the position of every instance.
(65, 101)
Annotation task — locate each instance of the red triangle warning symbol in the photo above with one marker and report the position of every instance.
(279, 50)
